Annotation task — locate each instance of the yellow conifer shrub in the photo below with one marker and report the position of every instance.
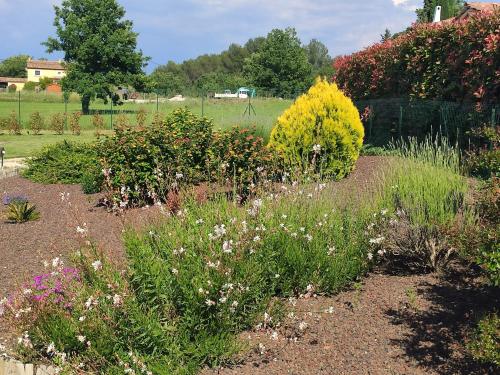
(322, 129)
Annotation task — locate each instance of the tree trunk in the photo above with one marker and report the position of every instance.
(85, 104)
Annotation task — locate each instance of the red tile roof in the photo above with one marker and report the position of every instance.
(13, 80)
(482, 7)
(43, 64)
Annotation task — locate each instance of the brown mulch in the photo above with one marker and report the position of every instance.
(388, 325)
(376, 329)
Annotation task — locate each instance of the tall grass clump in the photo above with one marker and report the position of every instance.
(425, 181)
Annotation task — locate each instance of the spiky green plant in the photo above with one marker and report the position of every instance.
(22, 211)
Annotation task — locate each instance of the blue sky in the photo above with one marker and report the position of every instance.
(181, 29)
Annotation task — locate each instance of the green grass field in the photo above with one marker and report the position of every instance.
(224, 113)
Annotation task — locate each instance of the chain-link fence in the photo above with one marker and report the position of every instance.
(388, 119)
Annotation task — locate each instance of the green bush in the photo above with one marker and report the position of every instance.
(65, 163)
(485, 345)
(322, 130)
(30, 86)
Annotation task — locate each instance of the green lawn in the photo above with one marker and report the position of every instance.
(225, 113)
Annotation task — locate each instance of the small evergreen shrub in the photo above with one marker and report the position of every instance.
(30, 86)
(13, 124)
(74, 123)
(36, 123)
(65, 163)
(141, 117)
(98, 124)
(57, 123)
(322, 130)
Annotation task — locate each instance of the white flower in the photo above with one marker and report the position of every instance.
(178, 176)
(97, 265)
(370, 256)
(223, 299)
(308, 237)
(284, 216)
(209, 302)
(257, 203)
(227, 247)
(303, 325)
(57, 262)
(277, 276)
(82, 229)
(51, 348)
(294, 234)
(27, 292)
(317, 149)
(175, 271)
(330, 310)
(302, 229)
(381, 252)
(377, 241)
(384, 211)
(235, 304)
(262, 348)
(90, 302)
(274, 335)
(201, 291)
(82, 318)
(331, 250)
(199, 221)
(220, 230)
(117, 300)
(81, 338)
(256, 239)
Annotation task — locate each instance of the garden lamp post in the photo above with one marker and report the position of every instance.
(2, 153)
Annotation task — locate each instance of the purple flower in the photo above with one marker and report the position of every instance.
(14, 199)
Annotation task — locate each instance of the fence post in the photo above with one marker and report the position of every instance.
(202, 105)
(19, 110)
(400, 120)
(370, 122)
(65, 112)
(493, 121)
(111, 123)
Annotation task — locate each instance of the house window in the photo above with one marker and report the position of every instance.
(58, 72)
(37, 72)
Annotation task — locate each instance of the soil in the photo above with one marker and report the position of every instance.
(387, 325)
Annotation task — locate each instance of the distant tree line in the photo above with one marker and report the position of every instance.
(277, 64)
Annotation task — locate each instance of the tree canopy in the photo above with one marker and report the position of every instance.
(14, 66)
(449, 9)
(100, 48)
(281, 65)
(233, 67)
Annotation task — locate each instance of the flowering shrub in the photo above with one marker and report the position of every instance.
(240, 159)
(13, 124)
(321, 129)
(453, 61)
(142, 164)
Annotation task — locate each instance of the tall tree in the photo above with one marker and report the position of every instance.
(280, 65)
(14, 66)
(386, 35)
(100, 48)
(318, 57)
(449, 9)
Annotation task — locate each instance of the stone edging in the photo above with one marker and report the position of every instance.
(13, 367)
